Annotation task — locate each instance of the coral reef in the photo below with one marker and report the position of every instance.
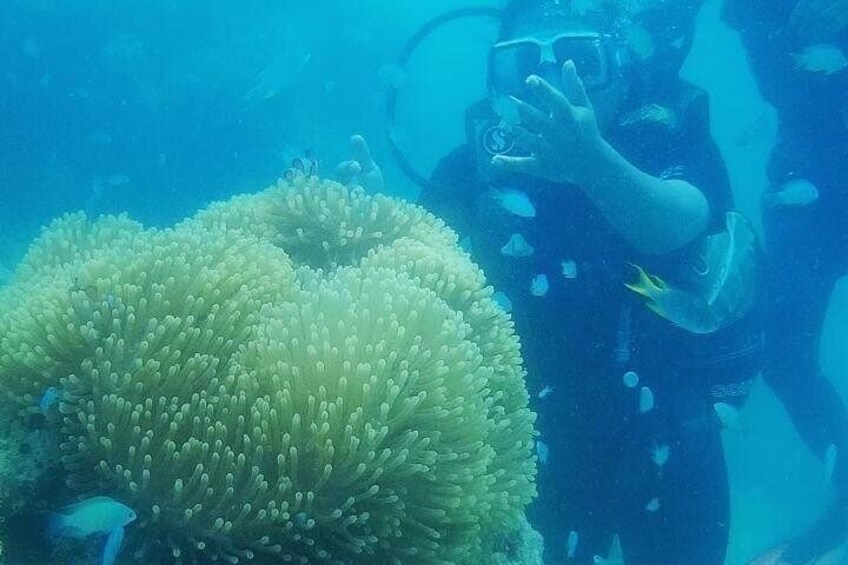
(309, 374)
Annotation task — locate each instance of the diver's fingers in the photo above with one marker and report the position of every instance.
(552, 99)
(531, 117)
(573, 86)
(348, 171)
(360, 152)
(530, 141)
(519, 165)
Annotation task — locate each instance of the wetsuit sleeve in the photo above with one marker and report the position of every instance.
(701, 163)
(685, 150)
(451, 191)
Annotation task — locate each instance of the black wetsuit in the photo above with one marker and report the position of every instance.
(586, 332)
(806, 247)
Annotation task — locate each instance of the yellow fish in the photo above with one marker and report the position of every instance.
(686, 310)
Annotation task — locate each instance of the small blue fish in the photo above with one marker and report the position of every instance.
(543, 451)
(95, 516)
(646, 400)
(515, 202)
(539, 286)
(546, 390)
(517, 246)
(503, 301)
(824, 58)
(660, 453)
(796, 192)
(50, 397)
(569, 269)
(571, 544)
(653, 505)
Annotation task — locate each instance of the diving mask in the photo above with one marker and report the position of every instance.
(597, 57)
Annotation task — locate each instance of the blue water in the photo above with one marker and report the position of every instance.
(156, 109)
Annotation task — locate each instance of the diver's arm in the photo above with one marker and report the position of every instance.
(360, 169)
(654, 215)
(565, 144)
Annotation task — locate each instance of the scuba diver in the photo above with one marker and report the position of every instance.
(594, 198)
(796, 52)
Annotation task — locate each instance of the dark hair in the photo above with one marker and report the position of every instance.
(517, 12)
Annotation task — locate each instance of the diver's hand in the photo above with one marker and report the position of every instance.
(819, 21)
(562, 134)
(360, 169)
(826, 535)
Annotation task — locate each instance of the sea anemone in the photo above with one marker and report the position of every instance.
(323, 224)
(306, 375)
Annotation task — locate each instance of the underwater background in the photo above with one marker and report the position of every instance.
(159, 108)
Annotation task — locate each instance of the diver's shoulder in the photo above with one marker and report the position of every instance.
(692, 100)
(676, 105)
(690, 104)
(679, 94)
